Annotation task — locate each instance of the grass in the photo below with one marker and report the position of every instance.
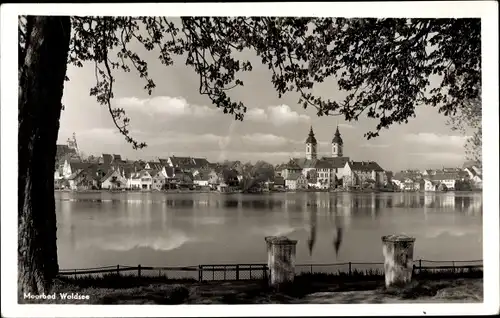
(360, 287)
(113, 280)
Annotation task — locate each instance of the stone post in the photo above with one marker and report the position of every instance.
(281, 260)
(398, 263)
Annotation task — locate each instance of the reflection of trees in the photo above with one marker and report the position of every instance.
(337, 239)
(312, 224)
(231, 203)
(72, 236)
(179, 203)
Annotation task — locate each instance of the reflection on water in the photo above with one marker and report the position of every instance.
(189, 229)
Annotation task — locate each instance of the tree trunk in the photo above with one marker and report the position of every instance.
(41, 82)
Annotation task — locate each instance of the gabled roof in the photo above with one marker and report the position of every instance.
(293, 165)
(336, 162)
(170, 171)
(181, 161)
(154, 172)
(293, 176)
(155, 165)
(309, 163)
(109, 174)
(364, 166)
(77, 164)
(322, 164)
(402, 175)
(445, 176)
(200, 162)
(163, 162)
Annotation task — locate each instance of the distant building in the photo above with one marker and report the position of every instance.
(113, 180)
(363, 173)
(296, 181)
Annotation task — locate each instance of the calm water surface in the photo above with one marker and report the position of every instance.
(158, 229)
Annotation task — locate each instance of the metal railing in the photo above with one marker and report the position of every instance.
(212, 272)
(223, 272)
(419, 265)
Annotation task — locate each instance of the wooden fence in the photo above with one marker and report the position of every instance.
(223, 272)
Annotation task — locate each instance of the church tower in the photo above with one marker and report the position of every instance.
(311, 146)
(337, 144)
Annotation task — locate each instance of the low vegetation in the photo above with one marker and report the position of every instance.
(368, 286)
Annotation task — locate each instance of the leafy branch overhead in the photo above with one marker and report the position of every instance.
(386, 66)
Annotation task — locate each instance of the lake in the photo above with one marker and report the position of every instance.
(160, 229)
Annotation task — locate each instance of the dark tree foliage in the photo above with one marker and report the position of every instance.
(469, 115)
(384, 65)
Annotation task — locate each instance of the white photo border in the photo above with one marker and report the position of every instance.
(486, 10)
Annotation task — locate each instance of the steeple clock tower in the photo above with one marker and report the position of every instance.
(311, 146)
(337, 144)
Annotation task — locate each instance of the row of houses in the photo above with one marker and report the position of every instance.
(112, 172)
(468, 177)
(331, 172)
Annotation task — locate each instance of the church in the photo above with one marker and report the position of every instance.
(324, 172)
(331, 171)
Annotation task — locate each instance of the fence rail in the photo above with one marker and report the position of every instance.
(218, 272)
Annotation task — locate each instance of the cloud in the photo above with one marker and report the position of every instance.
(277, 115)
(432, 139)
(439, 156)
(178, 107)
(267, 139)
(375, 145)
(168, 241)
(172, 106)
(256, 114)
(346, 126)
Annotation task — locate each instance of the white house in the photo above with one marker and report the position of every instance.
(72, 166)
(201, 180)
(360, 173)
(448, 179)
(159, 180)
(113, 180)
(430, 185)
(134, 181)
(296, 181)
(146, 180)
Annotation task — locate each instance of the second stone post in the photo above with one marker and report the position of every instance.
(398, 263)
(281, 260)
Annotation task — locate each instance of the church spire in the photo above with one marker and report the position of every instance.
(336, 138)
(311, 139)
(337, 144)
(311, 145)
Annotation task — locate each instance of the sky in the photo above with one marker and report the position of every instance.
(177, 120)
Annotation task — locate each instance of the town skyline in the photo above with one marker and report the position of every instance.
(323, 150)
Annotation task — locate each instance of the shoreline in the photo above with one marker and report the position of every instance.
(256, 193)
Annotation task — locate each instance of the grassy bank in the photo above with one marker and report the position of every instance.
(359, 287)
